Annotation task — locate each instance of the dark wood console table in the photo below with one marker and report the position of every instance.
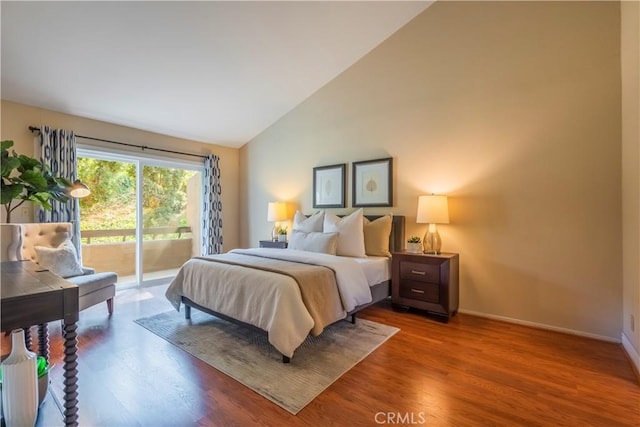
(32, 296)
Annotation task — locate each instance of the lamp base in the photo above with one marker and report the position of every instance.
(432, 242)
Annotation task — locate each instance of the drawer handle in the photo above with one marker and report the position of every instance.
(417, 291)
(421, 273)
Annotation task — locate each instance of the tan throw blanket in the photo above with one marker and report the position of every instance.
(317, 284)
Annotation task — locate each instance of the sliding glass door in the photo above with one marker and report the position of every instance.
(142, 217)
(108, 216)
(170, 218)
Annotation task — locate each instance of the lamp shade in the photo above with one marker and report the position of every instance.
(79, 189)
(277, 211)
(433, 210)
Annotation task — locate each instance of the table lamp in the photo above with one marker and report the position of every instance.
(276, 211)
(432, 210)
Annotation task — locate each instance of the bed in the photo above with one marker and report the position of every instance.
(289, 293)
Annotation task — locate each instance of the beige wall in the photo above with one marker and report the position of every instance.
(514, 111)
(16, 119)
(631, 178)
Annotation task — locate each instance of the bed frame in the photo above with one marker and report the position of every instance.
(379, 292)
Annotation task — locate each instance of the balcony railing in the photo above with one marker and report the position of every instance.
(163, 248)
(123, 233)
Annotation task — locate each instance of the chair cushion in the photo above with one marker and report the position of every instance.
(93, 282)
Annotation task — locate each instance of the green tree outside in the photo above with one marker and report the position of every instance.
(112, 203)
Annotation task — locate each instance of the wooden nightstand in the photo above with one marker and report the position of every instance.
(427, 282)
(273, 244)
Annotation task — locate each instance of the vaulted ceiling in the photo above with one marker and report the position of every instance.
(216, 72)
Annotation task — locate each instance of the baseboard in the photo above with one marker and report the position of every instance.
(632, 354)
(542, 326)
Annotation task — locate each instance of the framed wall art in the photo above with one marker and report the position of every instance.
(372, 183)
(329, 185)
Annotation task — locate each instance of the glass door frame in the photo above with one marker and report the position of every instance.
(140, 160)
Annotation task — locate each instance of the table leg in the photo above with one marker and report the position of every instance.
(70, 374)
(27, 338)
(43, 341)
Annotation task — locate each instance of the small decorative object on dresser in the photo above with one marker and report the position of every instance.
(282, 234)
(427, 282)
(414, 245)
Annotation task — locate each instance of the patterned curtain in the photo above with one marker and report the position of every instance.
(57, 148)
(212, 207)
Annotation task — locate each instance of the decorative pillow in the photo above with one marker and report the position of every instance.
(325, 243)
(308, 225)
(351, 229)
(376, 236)
(62, 260)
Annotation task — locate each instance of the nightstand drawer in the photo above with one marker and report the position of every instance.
(429, 292)
(420, 271)
(273, 244)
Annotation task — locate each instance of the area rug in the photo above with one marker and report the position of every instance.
(247, 356)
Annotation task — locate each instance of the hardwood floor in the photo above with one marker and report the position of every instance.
(470, 372)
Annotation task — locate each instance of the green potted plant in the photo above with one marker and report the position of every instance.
(27, 179)
(43, 378)
(282, 234)
(414, 245)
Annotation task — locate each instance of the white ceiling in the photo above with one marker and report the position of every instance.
(216, 72)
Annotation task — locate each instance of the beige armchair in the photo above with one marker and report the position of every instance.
(19, 242)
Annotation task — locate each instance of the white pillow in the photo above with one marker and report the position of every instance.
(62, 260)
(325, 243)
(308, 225)
(351, 229)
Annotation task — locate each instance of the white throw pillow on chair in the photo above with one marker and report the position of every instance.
(62, 260)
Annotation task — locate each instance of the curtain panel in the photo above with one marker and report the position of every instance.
(212, 207)
(57, 149)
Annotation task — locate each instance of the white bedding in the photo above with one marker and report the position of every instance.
(376, 268)
(268, 300)
(352, 282)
